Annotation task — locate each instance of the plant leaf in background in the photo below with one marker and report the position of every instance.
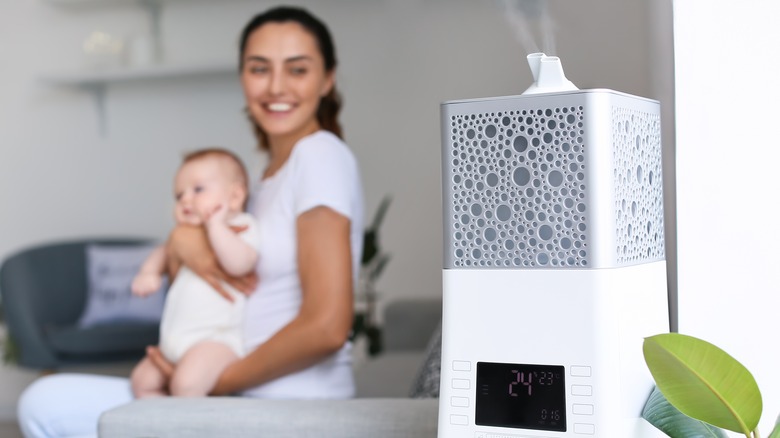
(704, 382)
(379, 266)
(665, 417)
(373, 263)
(776, 432)
(371, 236)
(10, 351)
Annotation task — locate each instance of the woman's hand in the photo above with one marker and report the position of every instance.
(189, 245)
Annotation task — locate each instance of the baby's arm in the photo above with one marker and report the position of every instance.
(235, 255)
(150, 276)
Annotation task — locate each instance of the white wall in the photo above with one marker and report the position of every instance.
(661, 58)
(726, 67)
(399, 59)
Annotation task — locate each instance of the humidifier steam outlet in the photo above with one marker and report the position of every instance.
(548, 75)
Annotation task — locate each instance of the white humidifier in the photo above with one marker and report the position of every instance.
(554, 267)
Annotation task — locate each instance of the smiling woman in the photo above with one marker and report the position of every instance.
(308, 207)
(283, 84)
(287, 72)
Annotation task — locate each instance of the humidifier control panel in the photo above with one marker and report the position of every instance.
(540, 397)
(521, 396)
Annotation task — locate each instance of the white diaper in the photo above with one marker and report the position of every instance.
(195, 312)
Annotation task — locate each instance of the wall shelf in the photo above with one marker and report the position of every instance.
(91, 3)
(97, 81)
(105, 76)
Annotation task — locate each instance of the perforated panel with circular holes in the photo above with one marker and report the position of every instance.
(638, 186)
(517, 181)
(519, 184)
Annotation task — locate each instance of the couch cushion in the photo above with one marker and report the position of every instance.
(110, 272)
(106, 339)
(257, 418)
(426, 385)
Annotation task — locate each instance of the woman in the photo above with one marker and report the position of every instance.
(309, 208)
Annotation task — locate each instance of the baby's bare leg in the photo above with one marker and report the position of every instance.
(200, 367)
(147, 380)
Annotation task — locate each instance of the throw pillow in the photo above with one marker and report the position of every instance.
(426, 385)
(110, 272)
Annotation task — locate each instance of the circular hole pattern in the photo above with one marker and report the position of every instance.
(638, 186)
(520, 176)
(519, 186)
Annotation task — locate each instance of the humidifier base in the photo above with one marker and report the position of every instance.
(549, 353)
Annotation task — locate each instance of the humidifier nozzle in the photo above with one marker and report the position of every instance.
(548, 75)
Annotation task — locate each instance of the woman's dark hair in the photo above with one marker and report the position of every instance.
(330, 105)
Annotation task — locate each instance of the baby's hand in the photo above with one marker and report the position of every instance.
(145, 284)
(218, 216)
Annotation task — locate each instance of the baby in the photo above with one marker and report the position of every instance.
(200, 330)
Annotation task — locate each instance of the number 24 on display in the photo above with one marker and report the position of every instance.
(527, 379)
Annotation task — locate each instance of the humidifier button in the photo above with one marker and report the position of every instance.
(581, 390)
(461, 365)
(459, 420)
(459, 402)
(460, 384)
(579, 409)
(584, 429)
(580, 371)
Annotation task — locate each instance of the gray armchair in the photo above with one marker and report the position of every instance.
(44, 291)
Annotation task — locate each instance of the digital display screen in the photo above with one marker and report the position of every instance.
(521, 396)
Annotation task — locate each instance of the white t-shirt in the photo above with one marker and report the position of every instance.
(321, 171)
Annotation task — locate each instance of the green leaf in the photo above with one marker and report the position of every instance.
(378, 267)
(10, 351)
(370, 247)
(380, 212)
(666, 418)
(776, 431)
(704, 382)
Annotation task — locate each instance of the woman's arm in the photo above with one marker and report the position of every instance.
(189, 245)
(325, 318)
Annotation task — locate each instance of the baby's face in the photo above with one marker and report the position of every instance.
(201, 186)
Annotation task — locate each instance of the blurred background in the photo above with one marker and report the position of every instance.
(82, 156)
(99, 99)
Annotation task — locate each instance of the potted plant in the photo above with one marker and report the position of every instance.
(372, 264)
(8, 349)
(700, 390)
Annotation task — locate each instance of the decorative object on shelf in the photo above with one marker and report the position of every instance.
(372, 263)
(703, 382)
(110, 59)
(103, 50)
